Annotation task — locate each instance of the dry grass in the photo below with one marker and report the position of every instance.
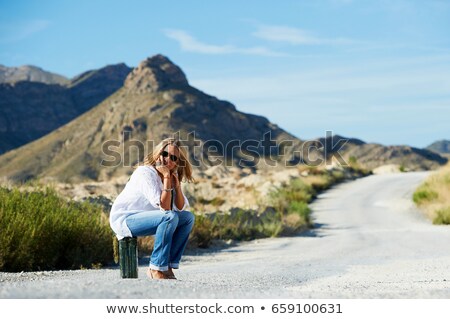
(42, 231)
(433, 196)
(317, 181)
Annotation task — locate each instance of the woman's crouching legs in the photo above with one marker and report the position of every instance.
(163, 241)
(180, 237)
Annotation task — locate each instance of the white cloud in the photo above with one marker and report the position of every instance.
(189, 44)
(294, 36)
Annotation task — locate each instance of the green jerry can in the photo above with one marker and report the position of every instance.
(128, 257)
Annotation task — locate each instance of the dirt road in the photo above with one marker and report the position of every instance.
(369, 242)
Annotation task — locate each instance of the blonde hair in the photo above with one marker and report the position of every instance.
(184, 168)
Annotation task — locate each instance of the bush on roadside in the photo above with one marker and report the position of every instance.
(236, 225)
(295, 191)
(42, 231)
(288, 214)
(433, 196)
(201, 235)
(242, 224)
(424, 194)
(442, 216)
(302, 210)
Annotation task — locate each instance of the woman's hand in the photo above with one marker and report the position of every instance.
(162, 168)
(175, 180)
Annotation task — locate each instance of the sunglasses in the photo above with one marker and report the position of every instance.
(173, 158)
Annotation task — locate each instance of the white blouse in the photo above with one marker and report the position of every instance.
(141, 193)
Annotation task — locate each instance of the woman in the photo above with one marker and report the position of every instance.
(152, 203)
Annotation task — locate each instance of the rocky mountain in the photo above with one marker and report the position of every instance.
(157, 101)
(370, 155)
(90, 88)
(30, 73)
(442, 146)
(30, 110)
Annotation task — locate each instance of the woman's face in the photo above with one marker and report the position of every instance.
(170, 156)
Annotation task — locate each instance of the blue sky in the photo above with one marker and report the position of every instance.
(376, 70)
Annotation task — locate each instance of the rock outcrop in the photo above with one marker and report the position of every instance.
(155, 73)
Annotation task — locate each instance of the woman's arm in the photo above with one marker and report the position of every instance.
(166, 194)
(149, 184)
(179, 197)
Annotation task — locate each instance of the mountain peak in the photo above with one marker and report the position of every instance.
(155, 73)
(29, 73)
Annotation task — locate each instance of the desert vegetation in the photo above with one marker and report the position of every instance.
(42, 231)
(285, 213)
(433, 196)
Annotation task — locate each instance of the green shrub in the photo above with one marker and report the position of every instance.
(337, 176)
(296, 191)
(291, 203)
(442, 216)
(424, 194)
(236, 225)
(302, 210)
(288, 214)
(352, 160)
(42, 231)
(239, 225)
(201, 235)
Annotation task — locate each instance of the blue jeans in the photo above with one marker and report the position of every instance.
(171, 230)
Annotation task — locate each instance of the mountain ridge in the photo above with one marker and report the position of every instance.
(371, 155)
(29, 110)
(30, 73)
(146, 108)
(156, 101)
(441, 146)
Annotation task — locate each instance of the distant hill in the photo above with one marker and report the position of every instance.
(30, 110)
(30, 73)
(442, 146)
(370, 155)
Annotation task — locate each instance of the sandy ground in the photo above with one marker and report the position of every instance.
(369, 242)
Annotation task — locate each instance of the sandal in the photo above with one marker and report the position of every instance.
(156, 274)
(169, 273)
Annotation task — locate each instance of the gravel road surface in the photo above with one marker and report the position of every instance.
(369, 242)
